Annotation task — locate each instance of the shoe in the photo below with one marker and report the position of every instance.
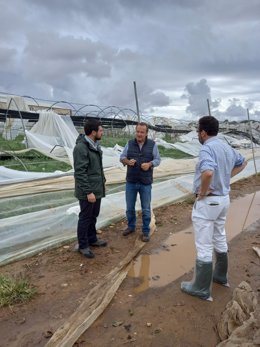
(128, 231)
(145, 238)
(99, 243)
(86, 252)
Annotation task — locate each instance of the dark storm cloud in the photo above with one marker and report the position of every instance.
(159, 99)
(95, 11)
(66, 56)
(125, 91)
(92, 51)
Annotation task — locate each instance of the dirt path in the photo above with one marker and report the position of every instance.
(63, 278)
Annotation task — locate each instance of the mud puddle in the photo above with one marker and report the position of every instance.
(177, 254)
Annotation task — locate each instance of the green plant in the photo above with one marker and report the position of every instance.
(172, 153)
(12, 145)
(35, 161)
(32, 161)
(111, 141)
(13, 291)
(168, 138)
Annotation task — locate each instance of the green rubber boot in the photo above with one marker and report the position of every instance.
(200, 286)
(221, 267)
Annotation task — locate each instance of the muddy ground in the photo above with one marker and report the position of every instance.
(63, 277)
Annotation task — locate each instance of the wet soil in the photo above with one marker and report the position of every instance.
(62, 278)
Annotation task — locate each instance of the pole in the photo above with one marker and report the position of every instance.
(251, 137)
(208, 107)
(136, 101)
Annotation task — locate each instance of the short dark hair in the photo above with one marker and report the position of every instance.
(91, 125)
(143, 124)
(209, 124)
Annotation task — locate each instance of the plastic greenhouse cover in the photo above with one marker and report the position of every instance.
(29, 233)
(12, 176)
(55, 136)
(22, 183)
(19, 187)
(14, 127)
(191, 145)
(113, 174)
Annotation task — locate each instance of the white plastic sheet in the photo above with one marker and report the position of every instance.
(55, 136)
(190, 144)
(53, 133)
(30, 233)
(12, 176)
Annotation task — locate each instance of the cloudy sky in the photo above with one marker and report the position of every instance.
(179, 52)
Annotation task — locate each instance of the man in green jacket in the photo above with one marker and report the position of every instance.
(89, 185)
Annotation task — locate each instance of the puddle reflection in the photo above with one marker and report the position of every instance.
(178, 254)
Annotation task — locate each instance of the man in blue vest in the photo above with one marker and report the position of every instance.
(140, 155)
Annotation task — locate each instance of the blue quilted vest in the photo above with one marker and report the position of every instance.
(134, 173)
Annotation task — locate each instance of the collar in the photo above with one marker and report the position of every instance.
(211, 138)
(91, 142)
(141, 144)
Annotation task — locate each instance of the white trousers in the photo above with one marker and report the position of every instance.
(208, 218)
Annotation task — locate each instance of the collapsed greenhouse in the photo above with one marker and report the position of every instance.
(38, 210)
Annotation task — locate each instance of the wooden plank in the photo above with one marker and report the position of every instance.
(96, 301)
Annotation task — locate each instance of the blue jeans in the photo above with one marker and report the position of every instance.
(144, 191)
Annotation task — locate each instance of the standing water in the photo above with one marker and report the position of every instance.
(178, 254)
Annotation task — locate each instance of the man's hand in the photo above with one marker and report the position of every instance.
(203, 195)
(131, 162)
(91, 198)
(146, 166)
(204, 189)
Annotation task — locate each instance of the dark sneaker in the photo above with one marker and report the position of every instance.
(145, 238)
(128, 231)
(99, 243)
(86, 252)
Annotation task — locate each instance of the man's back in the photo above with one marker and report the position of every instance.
(221, 158)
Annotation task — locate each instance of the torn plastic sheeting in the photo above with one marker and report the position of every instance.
(168, 167)
(57, 134)
(249, 170)
(32, 231)
(52, 125)
(191, 145)
(191, 148)
(13, 176)
(13, 128)
(111, 157)
(113, 175)
(65, 181)
(20, 205)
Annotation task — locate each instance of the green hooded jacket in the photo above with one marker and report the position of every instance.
(88, 170)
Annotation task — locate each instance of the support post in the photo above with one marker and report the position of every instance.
(251, 137)
(208, 107)
(136, 101)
